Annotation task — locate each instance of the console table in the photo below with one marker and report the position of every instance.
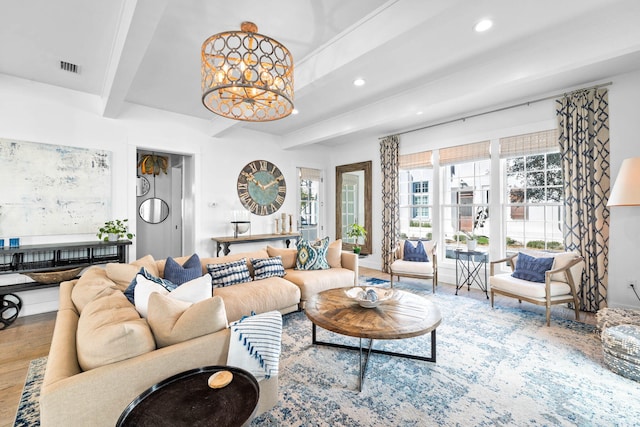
(47, 258)
(468, 268)
(226, 241)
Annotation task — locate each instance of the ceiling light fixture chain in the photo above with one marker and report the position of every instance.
(247, 76)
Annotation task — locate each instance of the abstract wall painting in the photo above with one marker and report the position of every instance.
(52, 189)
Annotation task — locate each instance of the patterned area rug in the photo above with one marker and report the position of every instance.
(28, 414)
(495, 367)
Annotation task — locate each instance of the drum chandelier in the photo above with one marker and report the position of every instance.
(247, 76)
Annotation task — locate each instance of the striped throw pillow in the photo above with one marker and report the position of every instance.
(229, 273)
(267, 267)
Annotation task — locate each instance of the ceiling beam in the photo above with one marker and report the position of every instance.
(138, 22)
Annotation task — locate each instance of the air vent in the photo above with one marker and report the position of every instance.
(68, 66)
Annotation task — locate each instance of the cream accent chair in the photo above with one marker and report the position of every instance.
(559, 286)
(413, 269)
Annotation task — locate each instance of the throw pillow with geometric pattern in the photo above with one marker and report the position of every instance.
(229, 273)
(267, 267)
(312, 256)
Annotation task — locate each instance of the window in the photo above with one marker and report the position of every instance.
(465, 207)
(309, 208)
(415, 180)
(533, 199)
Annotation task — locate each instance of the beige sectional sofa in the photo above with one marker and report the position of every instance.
(103, 354)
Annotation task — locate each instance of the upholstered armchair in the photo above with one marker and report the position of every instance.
(405, 265)
(554, 283)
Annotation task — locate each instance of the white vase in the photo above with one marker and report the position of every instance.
(471, 244)
(113, 237)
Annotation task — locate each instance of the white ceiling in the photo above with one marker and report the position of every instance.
(416, 55)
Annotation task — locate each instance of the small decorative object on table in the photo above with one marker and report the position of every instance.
(114, 230)
(241, 222)
(284, 223)
(49, 277)
(472, 241)
(369, 297)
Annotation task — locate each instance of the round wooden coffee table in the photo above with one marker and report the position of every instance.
(404, 315)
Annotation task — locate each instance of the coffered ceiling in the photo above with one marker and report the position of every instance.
(421, 59)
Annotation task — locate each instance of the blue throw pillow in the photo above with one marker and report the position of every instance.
(312, 256)
(229, 273)
(414, 253)
(267, 267)
(532, 268)
(179, 274)
(130, 291)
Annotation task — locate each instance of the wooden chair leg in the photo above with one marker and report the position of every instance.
(548, 314)
(392, 279)
(492, 294)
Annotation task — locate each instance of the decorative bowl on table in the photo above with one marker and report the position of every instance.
(369, 297)
(50, 277)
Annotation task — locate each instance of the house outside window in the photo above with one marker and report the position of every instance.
(415, 181)
(465, 209)
(533, 198)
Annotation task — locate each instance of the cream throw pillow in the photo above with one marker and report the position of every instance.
(123, 274)
(92, 283)
(110, 330)
(334, 254)
(173, 321)
(288, 255)
(193, 291)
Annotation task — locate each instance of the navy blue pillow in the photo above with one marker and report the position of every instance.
(179, 274)
(532, 268)
(414, 253)
(130, 291)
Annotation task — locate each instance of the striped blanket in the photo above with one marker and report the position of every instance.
(255, 344)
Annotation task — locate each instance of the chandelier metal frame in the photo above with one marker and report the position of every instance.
(247, 76)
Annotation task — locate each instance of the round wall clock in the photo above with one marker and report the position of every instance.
(261, 187)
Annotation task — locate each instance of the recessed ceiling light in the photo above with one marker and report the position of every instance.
(483, 25)
(294, 111)
(418, 113)
(359, 82)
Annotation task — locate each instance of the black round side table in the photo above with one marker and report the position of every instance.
(186, 399)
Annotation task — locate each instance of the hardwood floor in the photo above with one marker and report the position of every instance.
(30, 337)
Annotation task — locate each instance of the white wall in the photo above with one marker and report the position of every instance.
(47, 114)
(624, 232)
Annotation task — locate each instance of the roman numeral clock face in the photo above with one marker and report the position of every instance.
(261, 187)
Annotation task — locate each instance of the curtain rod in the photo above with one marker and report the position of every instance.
(522, 104)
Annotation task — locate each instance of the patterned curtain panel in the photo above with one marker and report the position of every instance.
(390, 198)
(583, 120)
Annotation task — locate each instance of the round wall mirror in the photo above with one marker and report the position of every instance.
(142, 186)
(154, 210)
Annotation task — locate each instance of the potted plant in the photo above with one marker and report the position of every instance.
(357, 231)
(114, 230)
(472, 240)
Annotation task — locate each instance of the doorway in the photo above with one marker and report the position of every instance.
(161, 205)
